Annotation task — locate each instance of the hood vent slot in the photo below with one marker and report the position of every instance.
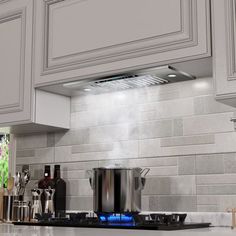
(144, 78)
(127, 82)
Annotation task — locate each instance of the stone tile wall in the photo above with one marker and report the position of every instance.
(178, 130)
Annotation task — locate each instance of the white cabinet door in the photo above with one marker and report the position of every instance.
(82, 39)
(15, 61)
(224, 49)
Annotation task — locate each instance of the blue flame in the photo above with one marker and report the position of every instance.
(116, 218)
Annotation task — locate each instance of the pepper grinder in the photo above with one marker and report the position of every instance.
(49, 206)
(36, 207)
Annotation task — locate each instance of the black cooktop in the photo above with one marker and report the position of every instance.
(118, 221)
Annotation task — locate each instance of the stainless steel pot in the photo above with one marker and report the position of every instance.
(117, 190)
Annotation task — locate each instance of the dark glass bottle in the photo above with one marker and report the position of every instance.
(45, 183)
(60, 193)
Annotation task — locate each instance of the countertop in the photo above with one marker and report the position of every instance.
(11, 230)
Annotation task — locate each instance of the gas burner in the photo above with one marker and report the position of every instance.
(116, 217)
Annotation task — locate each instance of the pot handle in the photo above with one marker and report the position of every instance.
(144, 172)
(90, 174)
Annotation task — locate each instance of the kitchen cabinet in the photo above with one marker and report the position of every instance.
(77, 39)
(19, 102)
(15, 60)
(224, 50)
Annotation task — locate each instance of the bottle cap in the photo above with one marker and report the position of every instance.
(57, 167)
(47, 168)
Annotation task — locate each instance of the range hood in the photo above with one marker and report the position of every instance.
(139, 79)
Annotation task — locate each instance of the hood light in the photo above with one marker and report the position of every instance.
(171, 75)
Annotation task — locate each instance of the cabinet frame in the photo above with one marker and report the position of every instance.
(137, 54)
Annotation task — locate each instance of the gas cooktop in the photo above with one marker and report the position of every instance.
(118, 221)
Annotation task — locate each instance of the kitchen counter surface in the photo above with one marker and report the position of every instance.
(9, 229)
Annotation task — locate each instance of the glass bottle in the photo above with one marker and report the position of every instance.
(45, 183)
(60, 193)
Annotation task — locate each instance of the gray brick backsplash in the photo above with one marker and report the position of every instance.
(79, 166)
(179, 185)
(163, 171)
(79, 203)
(230, 163)
(173, 203)
(222, 202)
(212, 123)
(187, 165)
(210, 164)
(74, 174)
(149, 148)
(50, 140)
(72, 137)
(199, 87)
(208, 104)
(178, 131)
(80, 120)
(112, 115)
(225, 189)
(25, 153)
(63, 154)
(158, 161)
(156, 129)
(177, 127)
(42, 155)
(169, 109)
(92, 147)
(79, 187)
(188, 140)
(207, 208)
(216, 179)
(145, 203)
(110, 133)
(228, 189)
(31, 141)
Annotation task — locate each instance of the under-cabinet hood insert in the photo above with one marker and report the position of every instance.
(139, 79)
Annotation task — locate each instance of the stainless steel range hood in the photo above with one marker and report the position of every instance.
(139, 79)
(159, 75)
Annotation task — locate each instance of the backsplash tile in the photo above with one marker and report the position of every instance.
(173, 203)
(209, 164)
(187, 165)
(178, 131)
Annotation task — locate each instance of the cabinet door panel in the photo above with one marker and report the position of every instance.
(15, 61)
(71, 23)
(10, 89)
(224, 44)
(82, 38)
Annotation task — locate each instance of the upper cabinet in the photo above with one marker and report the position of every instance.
(224, 50)
(77, 39)
(16, 18)
(19, 102)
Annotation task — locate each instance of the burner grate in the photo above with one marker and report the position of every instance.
(119, 221)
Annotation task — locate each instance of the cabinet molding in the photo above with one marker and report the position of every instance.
(231, 38)
(69, 47)
(224, 48)
(16, 30)
(19, 105)
(186, 36)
